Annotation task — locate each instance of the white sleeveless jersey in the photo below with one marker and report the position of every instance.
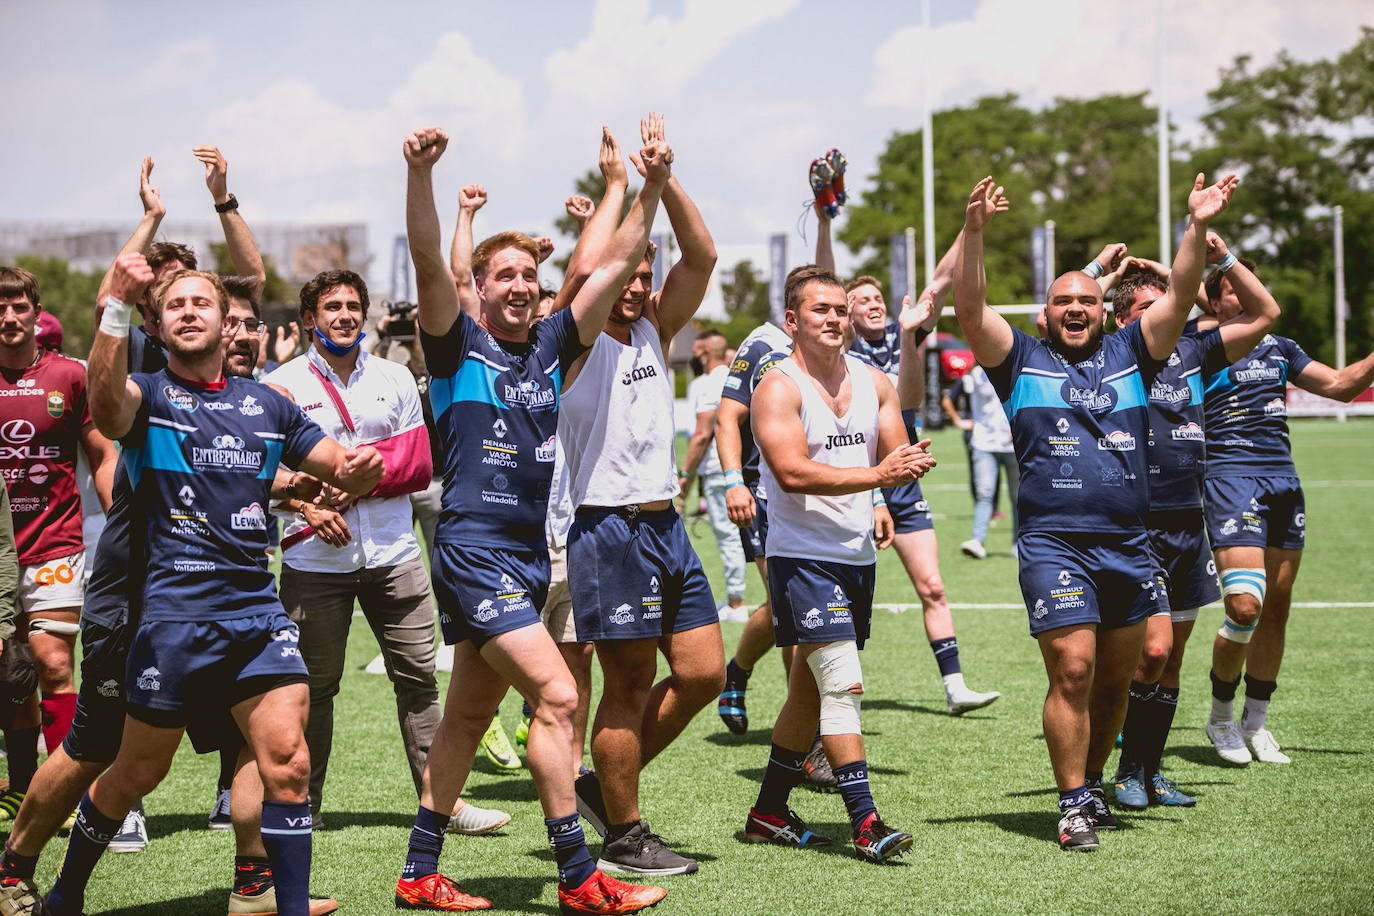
(615, 423)
(837, 529)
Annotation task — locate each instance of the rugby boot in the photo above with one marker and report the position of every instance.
(133, 833)
(1102, 816)
(877, 842)
(498, 748)
(219, 815)
(838, 166)
(730, 704)
(1164, 792)
(785, 829)
(1076, 832)
(262, 901)
(819, 177)
(437, 892)
(958, 702)
(471, 820)
(1128, 787)
(603, 894)
(18, 897)
(1263, 746)
(818, 775)
(10, 800)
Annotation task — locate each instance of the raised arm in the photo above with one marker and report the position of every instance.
(1337, 384)
(600, 225)
(1259, 312)
(144, 232)
(1108, 267)
(911, 368)
(593, 303)
(470, 199)
(825, 244)
(243, 249)
(687, 281)
(1163, 321)
(987, 332)
(437, 295)
(114, 398)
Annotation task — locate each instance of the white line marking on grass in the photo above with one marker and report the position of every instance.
(903, 608)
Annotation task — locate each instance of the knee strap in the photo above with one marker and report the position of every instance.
(1243, 582)
(836, 668)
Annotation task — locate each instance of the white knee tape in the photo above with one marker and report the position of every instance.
(836, 668)
(1235, 632)
(1243, 582)
(54, 627)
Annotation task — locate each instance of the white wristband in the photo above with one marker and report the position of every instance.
(114, 321)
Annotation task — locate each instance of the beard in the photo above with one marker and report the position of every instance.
(1076, 354)
(191, 352)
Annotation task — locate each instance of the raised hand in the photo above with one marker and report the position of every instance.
(610, 160)
(130, 278)
(653, 161)
(986, 200)
(1111, 256)
(1216, 248)
(287, 343)
(580, 208)
(915, 314)
(1206, 203)
(472, 198)
(152, 200)
(545, 246)
(651, 131)
(423, 147)
(216, 172)
(1158, 269)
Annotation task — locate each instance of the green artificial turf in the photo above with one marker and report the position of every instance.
(975, 791)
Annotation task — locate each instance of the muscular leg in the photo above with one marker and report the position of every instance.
(696, 665)
(1266, 649)
(919, 553)
(1228, 656)
(757, 637)
(578, 657)
(627, 667)
(1118, 653)
(1174, 663)
(1070, 654)
(56, 789)
(245, 806)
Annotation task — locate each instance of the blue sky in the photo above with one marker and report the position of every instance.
(309, 102)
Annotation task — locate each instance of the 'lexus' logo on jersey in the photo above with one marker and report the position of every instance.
(17, 431)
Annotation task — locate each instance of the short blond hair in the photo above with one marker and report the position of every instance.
(484, 252)
(160, 294)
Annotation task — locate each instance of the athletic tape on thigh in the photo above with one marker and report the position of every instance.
(54, 627)
(836, 668)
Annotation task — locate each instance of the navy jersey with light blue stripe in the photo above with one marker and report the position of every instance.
(754, 359)
(201, 463)
(496, 408)
(882, 353)
(1080, 432)
(1247, 412)
(1177, 447)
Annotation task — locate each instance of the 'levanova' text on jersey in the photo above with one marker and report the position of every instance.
(1080, 432)
(1247, 412)
(496, 406)
(201, 462)
(1177, 449)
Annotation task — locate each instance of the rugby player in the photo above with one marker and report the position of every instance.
(46, 422)
(496, 383)
(821, 420)
(1256, 513)
(198, 474)
(1088, 575)
(637, 584)
(1175, 520)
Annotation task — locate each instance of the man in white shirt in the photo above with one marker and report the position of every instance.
(340, 550)
(703, 394)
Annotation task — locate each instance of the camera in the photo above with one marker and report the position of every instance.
(401, 327)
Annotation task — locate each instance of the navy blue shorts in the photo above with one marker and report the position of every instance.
(1112, 580)
(635, 580)
(755, 537)
(1255, 512)
(99, 723)
(486, 591)
(1179, 541)
(186, 670)
(910, 511)
(820, 601)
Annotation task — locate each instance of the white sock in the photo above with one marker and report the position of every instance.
(954, 683)
(1223, 710)
(1252, 718)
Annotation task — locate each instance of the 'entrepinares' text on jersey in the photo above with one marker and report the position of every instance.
(201, 461)
(1177, 449)
(1247, 412)
(1080, 432)
(496, 407)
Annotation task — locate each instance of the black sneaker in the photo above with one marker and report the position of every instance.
(818, 775)
(590, 803)
(877, 842)
(1101, 815)
(1076, 832)
(640, 851)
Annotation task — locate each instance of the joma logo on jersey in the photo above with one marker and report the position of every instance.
(635, 375)
(842, 440)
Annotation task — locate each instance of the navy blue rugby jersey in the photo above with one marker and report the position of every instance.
(1247, 412)
(201, 462)
(496, 407)
(883, 353)
(1080, 432)
(1177, 447)
(756, 355)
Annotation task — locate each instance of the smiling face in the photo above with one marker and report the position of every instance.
(821, 319)
(509, 289)
(868, 310)
(338, 315)
(244, 342)
(1074, 316)
(630, 306)
(191, 320)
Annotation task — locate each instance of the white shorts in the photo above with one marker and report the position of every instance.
(558, 608)
(54, 584)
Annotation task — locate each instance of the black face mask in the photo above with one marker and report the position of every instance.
(697, 367)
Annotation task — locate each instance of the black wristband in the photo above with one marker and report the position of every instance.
(231, 204)
(920, 334)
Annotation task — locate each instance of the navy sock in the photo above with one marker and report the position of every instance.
(22, 746)
(14, 865)
(426, 842)
(784, 773)
(1075, 798)
(946, 655)
(1161, 718)
(1093, 779)
(286, 832)
(90, 836)
(1223, 690)
(858, 799)
(569, 847)
(1134, 731)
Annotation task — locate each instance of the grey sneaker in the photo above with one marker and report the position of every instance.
(640, 851)
(133, 833)
(219, 815)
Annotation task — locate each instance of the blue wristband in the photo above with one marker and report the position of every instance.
(1227, 262)
(1093, 269)
(734, 478)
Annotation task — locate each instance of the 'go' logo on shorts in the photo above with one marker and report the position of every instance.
(55, 575)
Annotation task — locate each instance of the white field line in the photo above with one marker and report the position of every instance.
(903, 608)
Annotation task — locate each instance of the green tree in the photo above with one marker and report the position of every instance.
(591, 185)
(745, 294)
(276, 291)
(69, 295)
